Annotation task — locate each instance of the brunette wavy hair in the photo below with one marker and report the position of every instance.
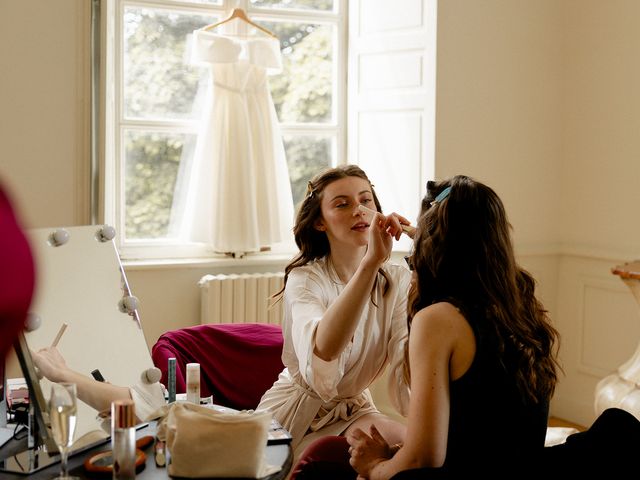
(463, 253)
(313, 243)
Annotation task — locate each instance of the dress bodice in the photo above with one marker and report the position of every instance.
(213, 49)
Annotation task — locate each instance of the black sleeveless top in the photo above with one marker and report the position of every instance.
(491, 427)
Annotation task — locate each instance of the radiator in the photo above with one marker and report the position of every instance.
(240, 298)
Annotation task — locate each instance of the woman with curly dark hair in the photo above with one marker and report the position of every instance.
(481, 355)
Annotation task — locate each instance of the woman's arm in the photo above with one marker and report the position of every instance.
(340, 321)
(98, 395)
(432, 341)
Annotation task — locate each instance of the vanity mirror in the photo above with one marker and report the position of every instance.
(80, 282)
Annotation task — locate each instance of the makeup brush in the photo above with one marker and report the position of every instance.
(59, 335)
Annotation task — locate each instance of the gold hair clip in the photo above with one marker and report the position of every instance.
(310, 191)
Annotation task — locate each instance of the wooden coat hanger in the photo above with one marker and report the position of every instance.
(240, 14)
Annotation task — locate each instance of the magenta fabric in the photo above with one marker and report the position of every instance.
(238, 361)
(17, 276)
(326, 458)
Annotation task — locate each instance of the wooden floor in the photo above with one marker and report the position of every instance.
(559, 422)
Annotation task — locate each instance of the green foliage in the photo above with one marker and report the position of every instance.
(302, 93)
(158, 80)
(152, 162)
(305, 157)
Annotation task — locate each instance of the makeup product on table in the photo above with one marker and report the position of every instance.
(102, 462)
(123, 439)
(193, 383)
(171, 379)
(159, 453)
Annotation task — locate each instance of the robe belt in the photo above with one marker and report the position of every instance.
(342, 408)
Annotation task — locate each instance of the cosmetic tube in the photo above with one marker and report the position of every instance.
(123, 439)
(193, 383)
(171, 379)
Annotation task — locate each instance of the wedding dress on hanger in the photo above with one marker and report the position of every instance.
(239, 197)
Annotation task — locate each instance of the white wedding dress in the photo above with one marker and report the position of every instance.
(239, 195)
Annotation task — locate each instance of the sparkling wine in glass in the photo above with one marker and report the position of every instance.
(62, 414)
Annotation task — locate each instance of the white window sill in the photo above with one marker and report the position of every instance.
(222, 261)
(263, 259)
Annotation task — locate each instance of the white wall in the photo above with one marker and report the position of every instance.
(537, 98)
(499, 107)
(600, 184)
(601, 168)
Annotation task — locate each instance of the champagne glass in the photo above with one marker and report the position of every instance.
(62, 413)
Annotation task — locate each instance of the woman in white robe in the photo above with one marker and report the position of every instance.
(345, 312)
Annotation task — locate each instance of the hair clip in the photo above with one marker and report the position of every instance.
(442, 195)
(310, 190)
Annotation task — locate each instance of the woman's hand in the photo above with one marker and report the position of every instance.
(382, 230)
(380, 240)
(51, 364)
(367, 451)
(405, 226)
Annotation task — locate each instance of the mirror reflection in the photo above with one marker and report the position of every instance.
(84, 307)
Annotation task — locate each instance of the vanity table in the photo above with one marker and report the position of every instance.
(622, 388)
(281, 455)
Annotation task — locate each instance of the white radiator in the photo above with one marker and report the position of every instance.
(240, 298)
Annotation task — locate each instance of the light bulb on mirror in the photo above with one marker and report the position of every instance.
(151, 375)
(106, 233)
(128, 304)
(32, 322)
(58, 237)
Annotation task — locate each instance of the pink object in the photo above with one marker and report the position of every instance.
(17, 279)
(327, 457)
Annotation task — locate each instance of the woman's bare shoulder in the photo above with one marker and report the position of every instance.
(440, 318)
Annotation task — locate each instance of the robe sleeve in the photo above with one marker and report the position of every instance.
(147, 398)
(307, 302)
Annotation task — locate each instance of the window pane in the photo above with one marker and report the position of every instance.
(158, 83)
(208, 2)
(303, 92)
(151, 169)
(323, 5)
(306, 156)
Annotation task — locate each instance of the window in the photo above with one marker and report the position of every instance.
(157, 98)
